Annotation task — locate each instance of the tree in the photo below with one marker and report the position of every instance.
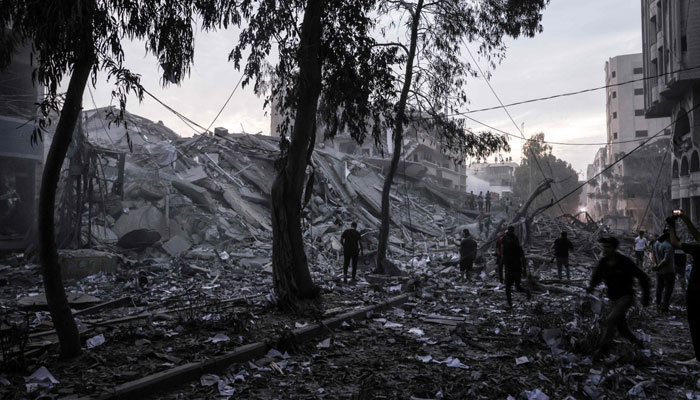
(79, 38)
(434, 76)
(331, 72)
(528, 176)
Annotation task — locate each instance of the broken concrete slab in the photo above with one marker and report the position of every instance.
(177, 245)
(201, 254)
(257, 263)
(198, 195)
(192, 174)
(77, 264)
(245, 210)
(38, 301)
(147, 217)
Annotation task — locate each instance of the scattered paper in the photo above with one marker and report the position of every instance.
(95, 341)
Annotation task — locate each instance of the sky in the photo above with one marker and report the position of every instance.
(569, 55)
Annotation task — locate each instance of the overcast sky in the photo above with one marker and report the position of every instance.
(579, 36)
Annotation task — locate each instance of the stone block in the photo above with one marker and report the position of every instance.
(177, 245)
(77, 264)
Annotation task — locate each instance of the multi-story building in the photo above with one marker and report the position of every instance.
(671, 49)
(21, 163)
(497, 177)
(618, 193)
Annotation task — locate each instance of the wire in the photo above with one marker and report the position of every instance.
(567, 94)
(623, 157)
(549, 142)
(522, 135)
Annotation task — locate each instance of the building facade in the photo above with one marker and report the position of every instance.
(623, 192)
(671, 51)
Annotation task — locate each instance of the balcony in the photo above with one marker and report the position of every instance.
(683, 186)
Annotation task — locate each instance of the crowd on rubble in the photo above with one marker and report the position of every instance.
(664, 255)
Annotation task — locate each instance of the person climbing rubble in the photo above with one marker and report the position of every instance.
(692, 293)
(561, 247)
(665, 271)
(640, 245)
(618, 272)
(352, 248)
(514, 262)
(467, 254)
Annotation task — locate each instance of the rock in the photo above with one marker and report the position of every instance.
(177, 245)
(77, 264)
(147, 217)
(139, 239)
(255, 263)
(201, 254)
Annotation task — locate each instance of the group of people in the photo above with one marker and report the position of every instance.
(482, 202)
(616, 270)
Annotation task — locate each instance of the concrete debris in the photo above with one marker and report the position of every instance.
(176, 245)
(77, 264)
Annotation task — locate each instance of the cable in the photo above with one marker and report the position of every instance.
(623, 157)
(567, 94)
(534, 156)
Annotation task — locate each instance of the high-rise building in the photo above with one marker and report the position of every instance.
(671, 49)
(623, 192)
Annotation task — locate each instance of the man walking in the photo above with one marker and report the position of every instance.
(480, 201)
(467, 254)
(472, 201)
(514, 263)
(352, 248)
(618, 272)
(488, 200)
(640, 244)
(561, 247)
(692, 294)
(665, 271)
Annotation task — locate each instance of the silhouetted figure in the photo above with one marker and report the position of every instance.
(640, 245)
(665, 271)
(561, 247)
(514, 263)
(487, 198)
(467, 254)
(618, 272)
(352, 248)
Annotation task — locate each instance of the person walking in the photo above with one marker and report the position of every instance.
(618, 272)
(680, 260)
(640, 245)
(487, 224)
(665, 271)
(480, 201)
(561, 247)
(514, 263)
(467, 254)
(488, 200)
(472, 201)
(692, 293)
(352, 248)
(507, 203)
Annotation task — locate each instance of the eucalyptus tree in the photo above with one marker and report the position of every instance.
(433, 74)
(80, 38)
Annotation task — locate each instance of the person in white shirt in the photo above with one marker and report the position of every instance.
(640, 245)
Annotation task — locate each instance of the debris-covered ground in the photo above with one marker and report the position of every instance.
(171, 265)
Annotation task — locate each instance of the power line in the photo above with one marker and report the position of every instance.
(550, 142)
(567, 94)
(623, 157)
(534, 156)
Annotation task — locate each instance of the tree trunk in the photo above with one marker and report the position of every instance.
(398, 141)
(61, 315)
(290, 269)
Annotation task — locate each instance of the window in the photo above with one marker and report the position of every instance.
(638, 71)
(614, 95)
(638, 91)
(614, 135)
(638, 113)
(614, 115)
(694, 162)
(644, 133)
(613, 74)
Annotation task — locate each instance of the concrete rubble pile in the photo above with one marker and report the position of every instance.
(207, 198)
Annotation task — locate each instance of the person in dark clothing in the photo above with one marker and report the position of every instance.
(467, 254)
(665, 271)
(352, 248)
(692, 293)
(487, 197)
(472, 201)
(561, 247)
(680, 260)
(480, 201)
(514, 263)
(499, 257)
(618, 273)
